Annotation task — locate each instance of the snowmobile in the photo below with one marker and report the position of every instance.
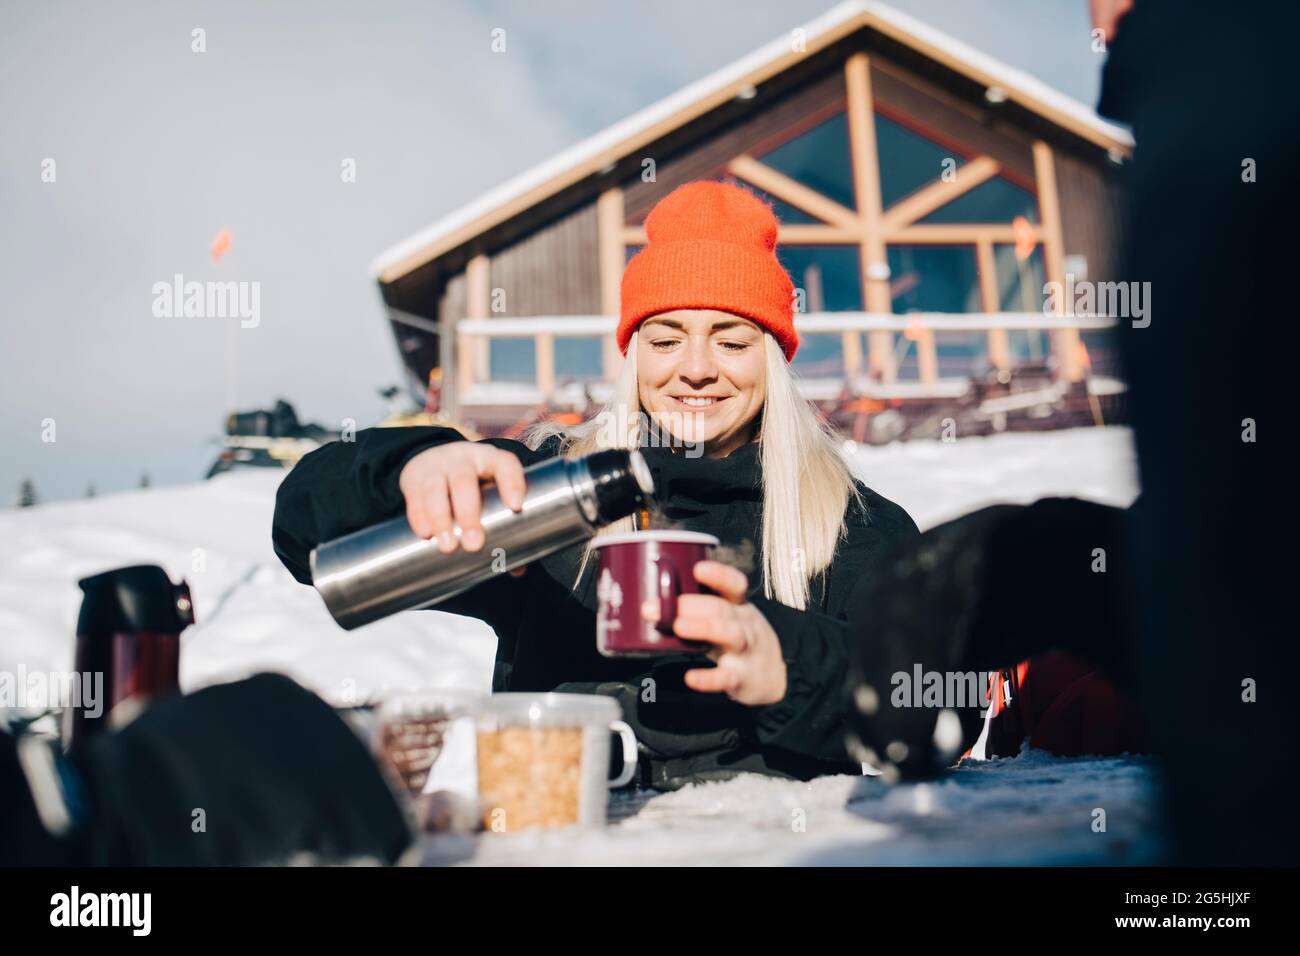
(265, 438)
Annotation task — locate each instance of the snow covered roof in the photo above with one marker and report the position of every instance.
(598, 151)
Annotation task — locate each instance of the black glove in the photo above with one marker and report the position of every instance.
(982, 593)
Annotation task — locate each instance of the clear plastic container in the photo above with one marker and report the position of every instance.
(409, 730)
(543, 759)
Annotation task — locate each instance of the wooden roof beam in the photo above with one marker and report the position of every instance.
(810, 234)
(793, 192)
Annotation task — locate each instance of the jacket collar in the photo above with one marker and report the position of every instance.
(685, 485)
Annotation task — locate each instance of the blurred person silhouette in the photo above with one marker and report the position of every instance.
(1210, 90)
(1189, 620)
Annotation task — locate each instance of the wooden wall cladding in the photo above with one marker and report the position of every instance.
(1091, 213)
(554, 270)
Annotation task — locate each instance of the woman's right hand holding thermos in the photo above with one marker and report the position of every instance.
(442, 489)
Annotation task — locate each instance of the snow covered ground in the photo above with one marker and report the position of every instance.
(1033, 810)
(253, 616)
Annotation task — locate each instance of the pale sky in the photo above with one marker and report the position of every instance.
(157, 148)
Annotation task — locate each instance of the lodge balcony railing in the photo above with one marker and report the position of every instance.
(466, 363)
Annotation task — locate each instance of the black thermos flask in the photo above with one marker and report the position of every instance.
(128, 633)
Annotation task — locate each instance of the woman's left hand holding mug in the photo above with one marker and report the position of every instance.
(750, 668)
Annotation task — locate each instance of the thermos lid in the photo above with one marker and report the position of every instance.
(136, 598)
(622, 482)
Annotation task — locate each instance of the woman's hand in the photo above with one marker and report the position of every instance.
(750, 668)
(442, 490)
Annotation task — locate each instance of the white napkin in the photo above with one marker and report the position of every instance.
(456, 769)
(452, 786)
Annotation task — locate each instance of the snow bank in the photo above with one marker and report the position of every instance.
(938, 481)
(252, 615)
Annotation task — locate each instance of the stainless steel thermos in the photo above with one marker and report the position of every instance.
(386, 568)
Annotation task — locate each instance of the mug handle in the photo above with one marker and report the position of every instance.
(668, 587)
(626, 735)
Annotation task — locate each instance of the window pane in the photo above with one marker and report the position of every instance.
(995, 200)
(578, 359)
(830, 280)
(829, 276)
(512, 360)
(938, 279)
(819, 159)
(1020, 283)
(1020, 289)
(933, 279)
(820, 355)
(961, 354)
(908, 160)
(1103, 352)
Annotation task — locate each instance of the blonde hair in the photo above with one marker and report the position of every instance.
(800, 462)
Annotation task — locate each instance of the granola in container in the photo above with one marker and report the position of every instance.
(543, 760)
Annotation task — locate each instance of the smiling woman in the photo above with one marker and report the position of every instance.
(707, 328)
(702, 376)
(707, 323)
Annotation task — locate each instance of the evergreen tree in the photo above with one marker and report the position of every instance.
(144, 480)
(27, 494)
(90, 490)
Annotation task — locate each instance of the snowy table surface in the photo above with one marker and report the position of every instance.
(1033, 809)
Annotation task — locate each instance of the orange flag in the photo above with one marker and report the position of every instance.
(220, 245)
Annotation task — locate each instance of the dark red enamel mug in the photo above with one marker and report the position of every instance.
(642, 574)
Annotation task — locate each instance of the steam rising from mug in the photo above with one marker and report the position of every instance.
(386, 568)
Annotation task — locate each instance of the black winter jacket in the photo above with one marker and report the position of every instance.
(546, 629)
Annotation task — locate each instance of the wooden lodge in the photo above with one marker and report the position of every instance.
(927, 194)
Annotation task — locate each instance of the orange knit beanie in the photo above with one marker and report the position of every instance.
(711, 245)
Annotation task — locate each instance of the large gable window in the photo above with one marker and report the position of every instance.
(957, 231)
(819, 159)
